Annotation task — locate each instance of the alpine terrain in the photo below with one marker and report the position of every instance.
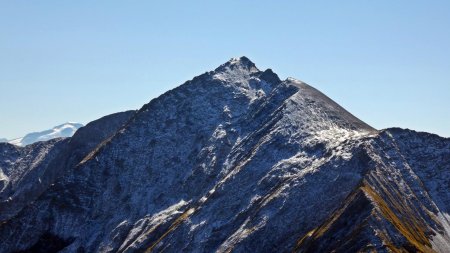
(234, 160)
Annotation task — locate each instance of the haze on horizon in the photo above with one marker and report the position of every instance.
(385, 62)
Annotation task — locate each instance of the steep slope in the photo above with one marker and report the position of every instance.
(238, 160)
(64, 130)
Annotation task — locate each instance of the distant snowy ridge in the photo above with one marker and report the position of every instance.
(3, 140)
(64, 130)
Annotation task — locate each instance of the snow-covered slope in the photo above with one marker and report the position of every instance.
(64, 130)
(234, 160)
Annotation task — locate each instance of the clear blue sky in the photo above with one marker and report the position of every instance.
(387, 62)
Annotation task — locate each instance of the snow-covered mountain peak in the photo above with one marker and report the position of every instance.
(64, 130)
(241, 64)
(241, 61)
(242, 78)
(234, 160)
(243, 74)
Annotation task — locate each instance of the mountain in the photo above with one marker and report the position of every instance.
(64, 130)
(3, 140)
(234, 160)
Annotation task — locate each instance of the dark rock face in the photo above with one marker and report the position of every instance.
(232, 160)
(48, 243)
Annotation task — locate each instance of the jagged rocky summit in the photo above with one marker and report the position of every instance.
(234, 160)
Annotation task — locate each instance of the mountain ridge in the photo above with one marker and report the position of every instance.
(234, 160)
